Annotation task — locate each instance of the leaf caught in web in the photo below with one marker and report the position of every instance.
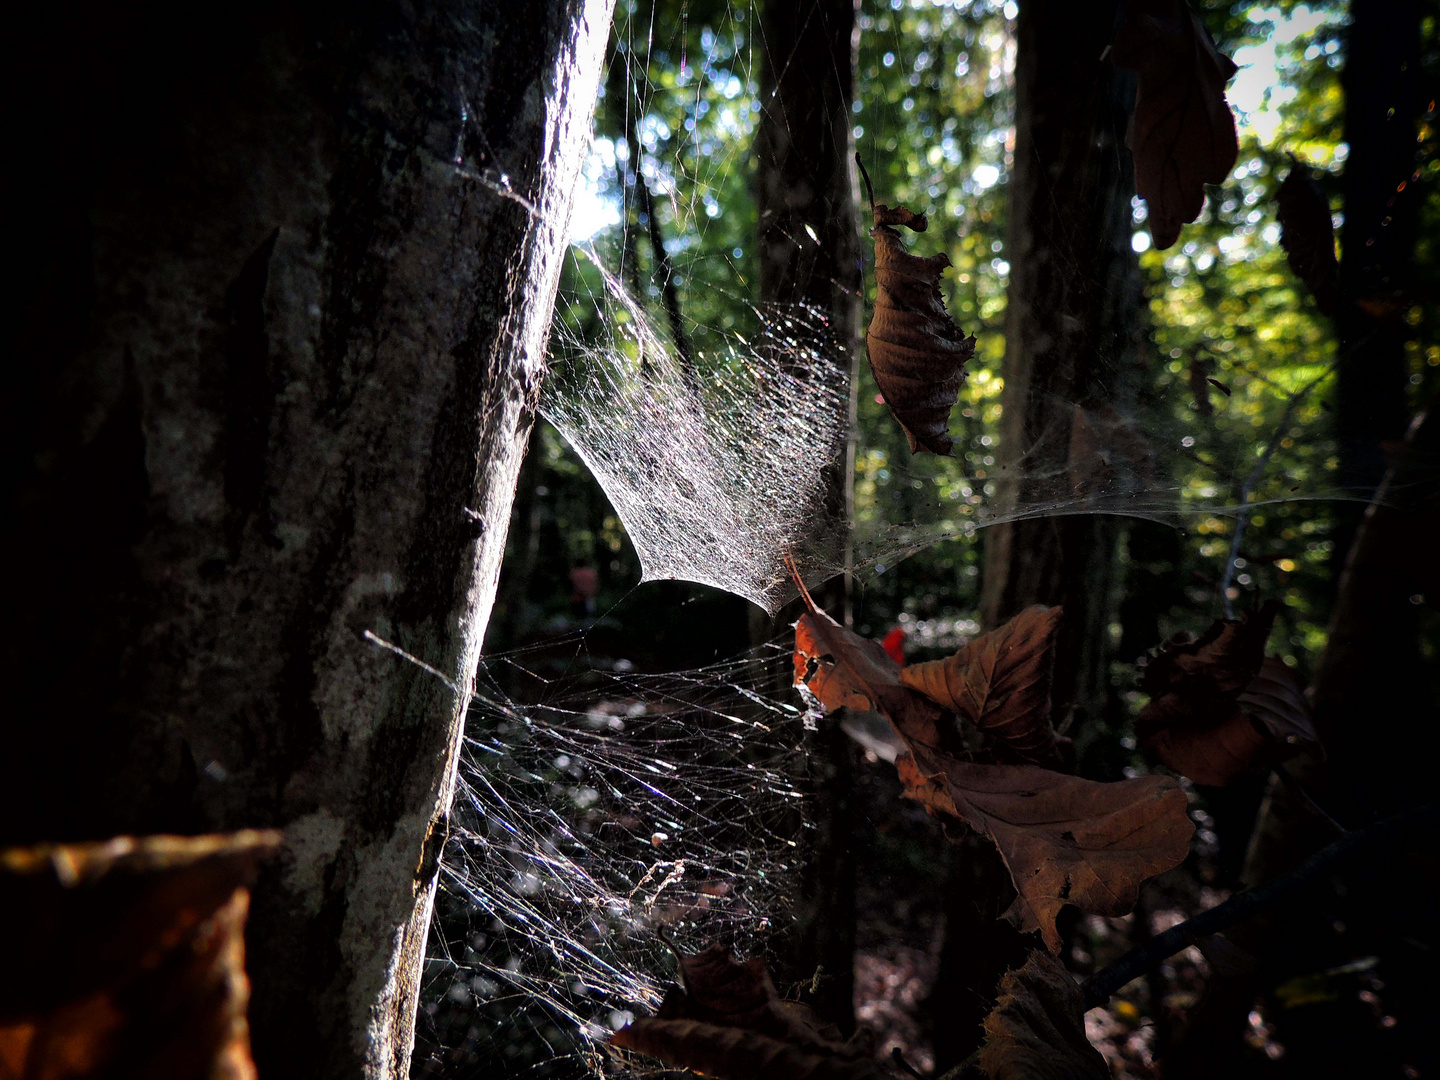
(1219, 706)
(1065, 840)
(1000, 682)
(844, 670)
(132, 960)
(917, 353)
(1037, 1029)
(1182, 132)
(1307, 234)
(727, 1021)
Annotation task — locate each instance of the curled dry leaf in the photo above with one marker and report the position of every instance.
(1037, 1029)
(844, 670)
(727, 1021)
(131, 962)
(1182, 133)
(1065, 840)
(1000, 682)
(1219, 706)
(1307, 234)
(916, 351)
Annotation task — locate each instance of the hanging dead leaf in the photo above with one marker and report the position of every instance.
(917, 353)
(1182, 132)
(1219, 706)
(727, 1021)
(1037, 1029)
(1308, 235)
(844, 670)
(131, 962)
(1000, 682)
(1065, 840)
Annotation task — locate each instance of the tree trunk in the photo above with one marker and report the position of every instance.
(289, 276)
(1377, 242)
(1070, 338)
(807, 195)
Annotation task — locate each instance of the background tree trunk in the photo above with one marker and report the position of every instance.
(1070, 330)
(1383, 100)
(807, 196)
(289, 275)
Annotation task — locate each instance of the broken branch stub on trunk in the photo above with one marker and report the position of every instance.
(1307, 234)
(916, 351)
(1182, 133)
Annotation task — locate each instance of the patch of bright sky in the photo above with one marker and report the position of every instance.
(1258, 90)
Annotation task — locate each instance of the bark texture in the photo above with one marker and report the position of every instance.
(1383, 100)
(1071, 337)
(807, 196)
(289, 276)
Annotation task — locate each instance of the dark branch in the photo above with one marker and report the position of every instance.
(1100, 986)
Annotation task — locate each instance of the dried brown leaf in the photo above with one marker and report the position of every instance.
(917, 353)
(132, 959)
(1219, 707)
(1307, 234)
(1000, 682)
(1182, 133)
(1037, 1029)
(844, 670)
(728, 1021)
(736, 1054)
(1065, 840)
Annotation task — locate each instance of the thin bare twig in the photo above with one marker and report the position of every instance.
(1369, 842)
(1242, 514)
(1298, 790)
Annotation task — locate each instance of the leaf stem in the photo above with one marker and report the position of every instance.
(1242, 513)
(1104, 983)
(1292, 782)
(869, 191)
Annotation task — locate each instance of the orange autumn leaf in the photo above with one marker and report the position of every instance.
(916, 351)
(1000, 682)
(132, 959)
(1065, 840)
(844, 670)
(1037, 1029)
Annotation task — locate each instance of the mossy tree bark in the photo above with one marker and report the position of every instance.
(289, 272)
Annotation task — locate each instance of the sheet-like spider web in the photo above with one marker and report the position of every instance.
(603, 816)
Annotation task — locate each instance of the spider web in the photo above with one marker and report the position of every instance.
(602, 819)
(605, 817)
